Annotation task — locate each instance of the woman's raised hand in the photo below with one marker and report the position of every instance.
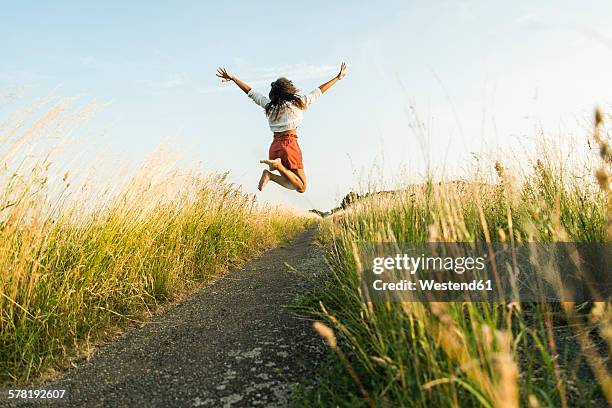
(324, 87)
(224, 75)
(342, 72)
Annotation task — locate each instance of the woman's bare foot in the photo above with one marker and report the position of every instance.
(265, 177)
(274, 164)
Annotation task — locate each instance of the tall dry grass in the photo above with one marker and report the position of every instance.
(464, 354)
(78, 257)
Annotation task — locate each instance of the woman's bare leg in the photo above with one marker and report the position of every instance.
(263, 180)
(279, 179)
(300, 173)
(297, 183)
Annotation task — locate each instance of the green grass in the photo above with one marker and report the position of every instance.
(465, 354)
(71, 270)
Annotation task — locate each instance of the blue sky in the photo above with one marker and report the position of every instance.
(479, 74)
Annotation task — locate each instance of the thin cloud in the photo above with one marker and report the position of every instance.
(461, 8)
(257, 77)
(295, 72)
(88, 61)
(531, 21)
(175, 80)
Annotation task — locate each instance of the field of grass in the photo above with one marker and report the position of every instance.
(465, 354)
(77, 262)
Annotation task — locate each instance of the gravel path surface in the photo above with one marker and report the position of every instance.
(234, 343)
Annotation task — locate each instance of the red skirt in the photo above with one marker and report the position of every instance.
(288, 150)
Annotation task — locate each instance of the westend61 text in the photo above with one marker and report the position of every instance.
(432, 285)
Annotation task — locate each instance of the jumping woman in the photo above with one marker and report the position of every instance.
(283, 107)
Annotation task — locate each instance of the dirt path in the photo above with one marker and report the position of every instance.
(234, 343)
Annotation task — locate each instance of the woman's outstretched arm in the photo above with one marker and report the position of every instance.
(225, 77)
(335, 79)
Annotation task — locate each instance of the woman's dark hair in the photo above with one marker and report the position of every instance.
(282, 92)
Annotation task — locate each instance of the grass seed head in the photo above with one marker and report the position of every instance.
(603, 179)
(326, 333)
(432, 233)
(605, 152)
(598, 117)
(499, 168)
(507, 372)
(533, 401)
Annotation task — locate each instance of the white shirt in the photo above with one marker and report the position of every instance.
(290, 116)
